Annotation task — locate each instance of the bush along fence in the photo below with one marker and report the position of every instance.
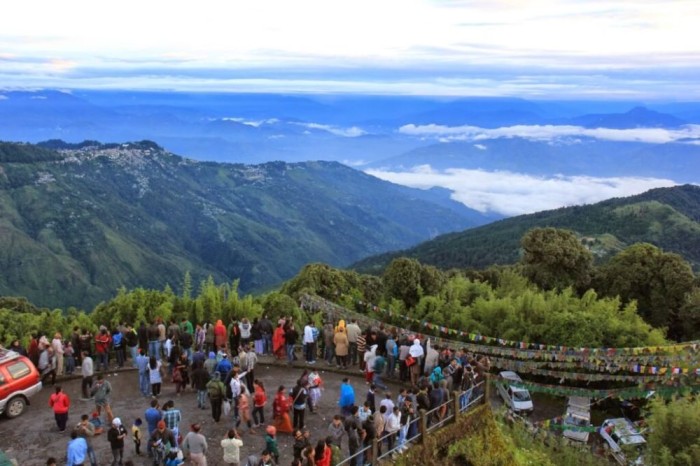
(416, 430)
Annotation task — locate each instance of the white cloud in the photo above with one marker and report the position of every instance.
(3, 97)
(253, 123)
(551, 132)
(351, 132)
(516, 193)
(480, 146)
(354, 163)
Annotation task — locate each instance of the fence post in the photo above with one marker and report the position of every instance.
(375, 449)
(456, 403)
(487, 388)
(422, 425)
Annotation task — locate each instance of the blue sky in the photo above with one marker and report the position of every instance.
(535, 49)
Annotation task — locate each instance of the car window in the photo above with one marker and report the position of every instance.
(2, 379)
(18, 369)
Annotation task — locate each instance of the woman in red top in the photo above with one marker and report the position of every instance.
(323, 454)
(280, 408)
(60, 403)
(259, 402)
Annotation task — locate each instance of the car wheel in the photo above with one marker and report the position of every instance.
(15, 407)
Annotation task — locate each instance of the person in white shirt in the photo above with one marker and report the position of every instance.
(232, 448)
(392, 426)
(87, 371)
(388, 402)
(416, 351)
(310, 342)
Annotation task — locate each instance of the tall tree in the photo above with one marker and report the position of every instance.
(556, 259)
(402, 279)
(659, 282)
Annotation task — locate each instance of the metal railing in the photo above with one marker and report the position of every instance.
(427, 422)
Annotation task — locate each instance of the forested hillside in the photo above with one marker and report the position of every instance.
(666, 217)
(77, 222)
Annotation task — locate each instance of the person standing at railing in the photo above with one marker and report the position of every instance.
(392, 427)
(407, 415)
(352, 428)
(404, 349)
(416, 352)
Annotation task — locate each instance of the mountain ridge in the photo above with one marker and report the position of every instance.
(81, 221)
(666, 217)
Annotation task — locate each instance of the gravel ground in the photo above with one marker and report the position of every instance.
(33, 437)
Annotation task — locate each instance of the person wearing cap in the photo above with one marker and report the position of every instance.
(196, 445)
(116, 435)
(161, 437)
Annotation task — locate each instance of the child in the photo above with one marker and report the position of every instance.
(271, 443)
(315, 384)
(136, 435)
(97, 422)
(244, 408)
(364, 412)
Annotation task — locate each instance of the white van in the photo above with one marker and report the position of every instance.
(516, 398)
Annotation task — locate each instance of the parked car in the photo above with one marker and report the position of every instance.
(578, 417)
(19, 381)
(626, 443)
(515, 397)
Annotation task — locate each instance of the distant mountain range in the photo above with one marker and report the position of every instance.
(256, 128)
(666, 217)
(78, 221)
(580, 156)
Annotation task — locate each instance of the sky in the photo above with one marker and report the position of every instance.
(637, 49)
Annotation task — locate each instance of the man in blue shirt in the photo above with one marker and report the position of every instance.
(347, 397)
(152, 415)
(76, 453)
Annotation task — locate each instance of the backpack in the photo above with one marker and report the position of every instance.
(214, 390)
(379, 364)
(117, 339)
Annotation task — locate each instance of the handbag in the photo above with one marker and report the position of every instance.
(227, 407)
(410, 360)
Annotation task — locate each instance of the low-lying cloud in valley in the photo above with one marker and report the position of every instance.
(686, 133)
(511, 193)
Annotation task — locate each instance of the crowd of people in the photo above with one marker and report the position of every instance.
(218, 362)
